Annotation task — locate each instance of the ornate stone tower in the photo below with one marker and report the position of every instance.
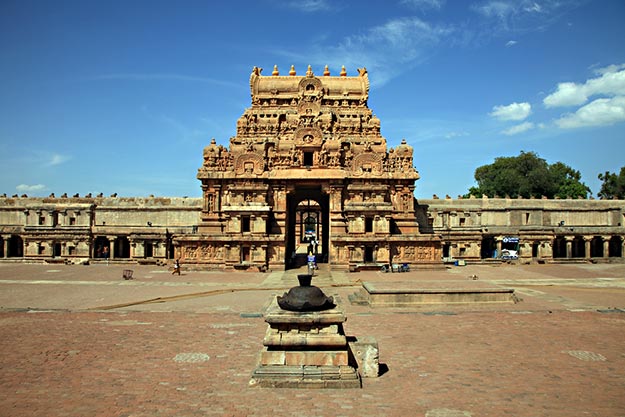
(308, 170)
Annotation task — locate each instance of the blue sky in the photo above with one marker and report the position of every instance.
(122, 96)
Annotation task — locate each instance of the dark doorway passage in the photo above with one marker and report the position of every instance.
(489, 248)
(56, 250)
(16, 247)
(578, 247)
(535, 247)
(369, 252)
(148, 249)
(615, 247)
(101, 247)
(559, 247)
(307, 226)
(596, 247)
(122, 247)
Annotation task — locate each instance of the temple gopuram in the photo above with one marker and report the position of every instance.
(308, 171)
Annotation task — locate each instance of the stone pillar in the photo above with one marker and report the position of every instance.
(205, 207)
(587, 251)
(133, 248)
(5, 245)
(111, 246)
(569, 246)
(217, 202)
(498, 239)
(545, 249)
(606, 246)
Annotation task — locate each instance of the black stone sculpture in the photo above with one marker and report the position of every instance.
(305, 297)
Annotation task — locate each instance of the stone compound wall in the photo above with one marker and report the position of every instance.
(473, 228)
(548, 230)
(76, 229)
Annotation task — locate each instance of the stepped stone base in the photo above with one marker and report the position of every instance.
(305, 350)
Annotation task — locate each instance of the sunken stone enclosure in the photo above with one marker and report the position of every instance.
(307, 171)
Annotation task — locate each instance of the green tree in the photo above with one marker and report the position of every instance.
(568, 181)
(613, 185)
(528, 175)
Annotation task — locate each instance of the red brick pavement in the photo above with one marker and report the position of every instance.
(487, 363)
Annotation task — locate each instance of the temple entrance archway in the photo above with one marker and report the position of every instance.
(307, 225)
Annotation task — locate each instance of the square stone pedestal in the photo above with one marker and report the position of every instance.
(305, 350)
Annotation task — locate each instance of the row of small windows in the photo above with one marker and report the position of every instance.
(55, 220)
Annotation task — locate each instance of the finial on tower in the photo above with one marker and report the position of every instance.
(326, 71)
(292, 71)
(275, 71)
(343, 72)
(309, 72)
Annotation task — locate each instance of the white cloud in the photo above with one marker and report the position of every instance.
(533, 8)
(609, 68)
(499, 9)
(519, 16)
(567, 94)
(606, 110)
(56, 159)
(309, 6)
(24, 188)
(514, 111)
(600, 112)
(386, 50)
(162, 77)
(452, 135)
(520, 128)
(511, 43)
(424, 4)
(610, 83)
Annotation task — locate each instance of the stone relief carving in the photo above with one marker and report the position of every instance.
(367, 163)
(250, 163)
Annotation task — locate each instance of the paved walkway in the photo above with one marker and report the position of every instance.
(186, 346)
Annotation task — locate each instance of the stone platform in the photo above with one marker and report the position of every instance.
(404, 294)
(305, 350)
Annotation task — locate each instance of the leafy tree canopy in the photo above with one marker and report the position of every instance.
(528, 175)
(613, 185)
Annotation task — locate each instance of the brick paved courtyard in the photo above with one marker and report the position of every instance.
(552, 354)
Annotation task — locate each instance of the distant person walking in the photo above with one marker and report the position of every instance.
(176, 267)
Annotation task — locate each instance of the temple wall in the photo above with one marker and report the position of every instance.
(524, 212)
(80, 228)
(463, 224)
(547, 230)
(129, 212)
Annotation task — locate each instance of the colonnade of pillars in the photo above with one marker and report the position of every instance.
(550, 248)
(110, 247)
(135, 249)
